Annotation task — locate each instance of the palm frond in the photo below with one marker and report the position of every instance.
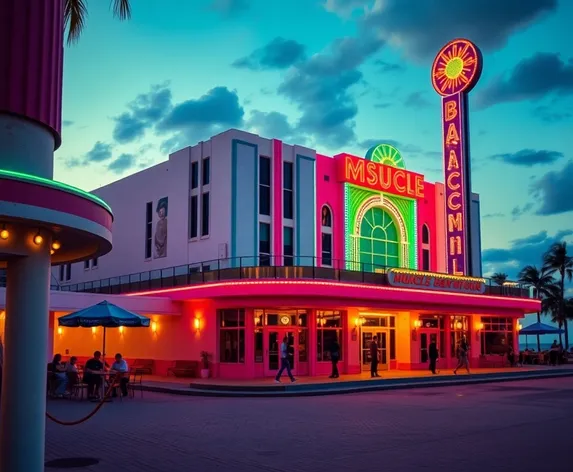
(75, 14)
(121, 9)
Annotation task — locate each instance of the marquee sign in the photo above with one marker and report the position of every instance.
(438, 282)
(380, 177)
(455, 71)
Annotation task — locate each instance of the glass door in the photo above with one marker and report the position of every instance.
(427, 338)
(365, 354)
(274, 339)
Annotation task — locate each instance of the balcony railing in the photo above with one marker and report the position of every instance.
(259, 267)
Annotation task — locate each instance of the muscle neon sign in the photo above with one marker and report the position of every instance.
(383, 178)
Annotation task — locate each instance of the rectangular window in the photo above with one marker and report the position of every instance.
(329, 330)
(194, 175)
(68, 272)
(206, 171)
(232, 336)
(205, 214)
(288, 247)
(193, 216)
(264, 244)
(264, 186)
(425, 259)
(326, 249)
(287, 190)
(62, 272)
(148, 229)
(87, 264)
(496, 335)
(94, 263)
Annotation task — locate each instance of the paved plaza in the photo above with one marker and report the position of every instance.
(517, 426)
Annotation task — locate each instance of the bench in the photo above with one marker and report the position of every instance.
(184, 369)
(143, 366)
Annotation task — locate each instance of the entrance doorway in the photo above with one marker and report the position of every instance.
(365, 342)
(273, 340)
(428, 337)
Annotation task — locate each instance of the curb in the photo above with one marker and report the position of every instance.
(380, 385)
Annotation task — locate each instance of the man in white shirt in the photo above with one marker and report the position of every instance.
(120, 367)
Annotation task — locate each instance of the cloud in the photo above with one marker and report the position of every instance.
(555, 191)
(67, 123)
(122, 163)
(493, 215)
(143, 113)
(230, 8)
(421, 27)
(548, 114)
(416, 100)
(405, 149)
(522, 252)
(382, 105)
(279, 53)
(345, 8)
(529, 157)
(100, 152)
(387, 67)
(518, 211)
(275, 125)
(321, 86)
(531, 79)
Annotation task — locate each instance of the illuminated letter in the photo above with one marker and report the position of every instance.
(455, 268)
(371, 176)
(354, 172)
(400, 188)
(455, 245)
(451, 204)
(450, 110)
(455, 223)
(451, 185)
(452, 137)
(453, 161)
(419, 186)
(385, 173)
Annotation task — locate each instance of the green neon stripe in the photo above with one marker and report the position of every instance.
(34, 179)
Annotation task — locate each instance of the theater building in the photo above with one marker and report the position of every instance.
(255, 239)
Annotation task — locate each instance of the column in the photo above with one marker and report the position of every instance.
(22, 430)
(447, 348)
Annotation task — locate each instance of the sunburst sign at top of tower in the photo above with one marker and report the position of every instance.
(387, 155)
(457, 67)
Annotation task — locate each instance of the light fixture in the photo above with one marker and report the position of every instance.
(417, 324)
(121, 330)
(56, 245)
(154, 326)
(197, 324)
(4, 233)
(479, 328)
(257, 320)
(459, 325)
(94, 329)
(2, 314)
(38, 239)
(518, 326)
(52, 252)
(60, 330)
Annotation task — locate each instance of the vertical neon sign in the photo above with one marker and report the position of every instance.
(455, 71)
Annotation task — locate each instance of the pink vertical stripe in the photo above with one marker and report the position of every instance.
(31, 60)
(278, 201)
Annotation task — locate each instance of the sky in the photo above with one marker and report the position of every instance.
(337, 76)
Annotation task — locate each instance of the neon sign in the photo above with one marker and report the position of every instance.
(455, 71)
(430, 281)
(382, 178)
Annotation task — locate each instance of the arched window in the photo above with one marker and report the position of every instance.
(326, 236)
(425, 247)
(379, 240)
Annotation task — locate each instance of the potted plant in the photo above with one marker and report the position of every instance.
(205, 364)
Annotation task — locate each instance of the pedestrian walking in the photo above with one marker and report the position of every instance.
(463, 351)
(433, 354)
(374, 357)
(334, 358)
(285, 364)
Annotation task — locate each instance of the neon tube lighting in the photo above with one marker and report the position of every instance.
(328, 284)
(34, 179)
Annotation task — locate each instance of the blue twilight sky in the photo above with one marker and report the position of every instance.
(337, 75)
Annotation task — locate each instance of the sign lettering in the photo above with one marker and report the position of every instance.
(382, 178)
(455, 194)
(440, 282)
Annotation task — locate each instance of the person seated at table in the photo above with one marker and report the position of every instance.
(59, 376)
(511, 356)
(72, 371)
(120, 367)
(92, 375)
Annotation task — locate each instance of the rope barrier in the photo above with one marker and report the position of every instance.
(112, 385)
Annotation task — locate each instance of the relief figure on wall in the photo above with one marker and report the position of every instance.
(161, 228)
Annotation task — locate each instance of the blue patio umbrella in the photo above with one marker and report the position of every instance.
(540, 328)
(103, 314)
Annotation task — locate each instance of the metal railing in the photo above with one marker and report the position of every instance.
(259, 267)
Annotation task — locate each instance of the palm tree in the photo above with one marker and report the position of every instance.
(76, 12)
(556, 260)
(550, 305)
(499, 278)
(542, 283)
